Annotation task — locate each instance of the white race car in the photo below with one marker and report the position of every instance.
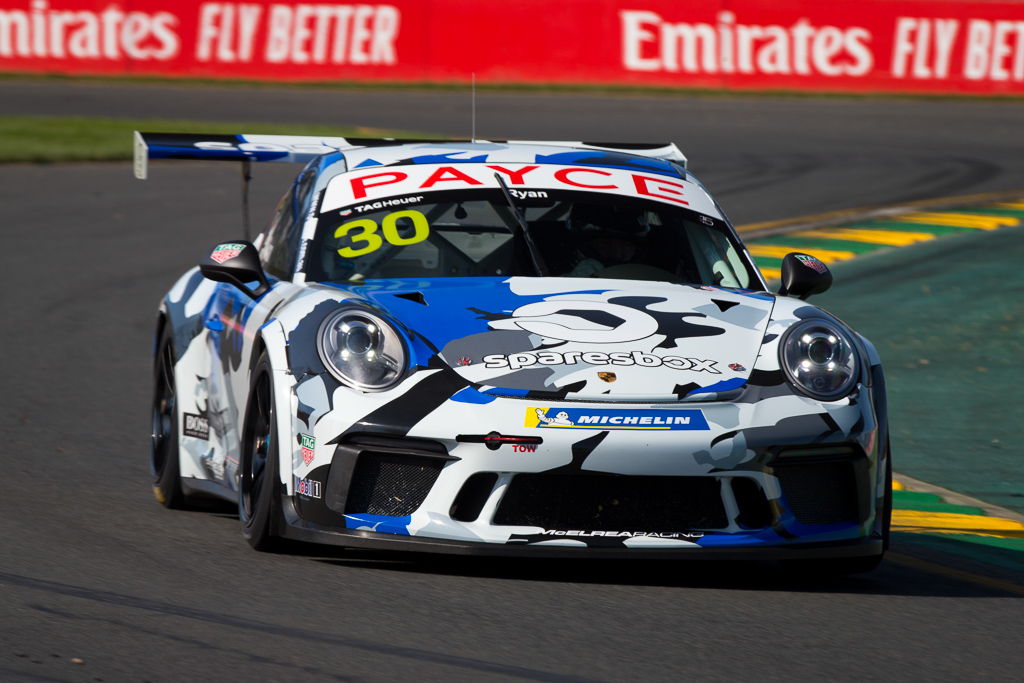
(513, 348)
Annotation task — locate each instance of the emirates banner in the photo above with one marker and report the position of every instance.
(933, 46)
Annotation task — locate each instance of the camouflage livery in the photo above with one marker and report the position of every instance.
(520, 389)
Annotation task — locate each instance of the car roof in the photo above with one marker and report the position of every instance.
(364, 174)
(662, 159)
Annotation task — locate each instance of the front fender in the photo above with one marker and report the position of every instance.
(273, 339)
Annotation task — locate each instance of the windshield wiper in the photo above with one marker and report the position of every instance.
(521, 221)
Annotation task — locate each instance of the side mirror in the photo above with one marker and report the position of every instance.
(236, 263)
(804, 275)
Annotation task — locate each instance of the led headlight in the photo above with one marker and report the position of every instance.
(820, 359)
(362, 349)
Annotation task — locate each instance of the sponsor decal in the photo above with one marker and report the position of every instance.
(812, 263)
(566, 319)
(607, 376)
(737, 367)
(623, 534)
(308, 448)
(465, 360)
(196, 426)
(372, 187)
(953, 46)
(344, 34)
(583, 418)
(517, 361)
(225, 252)
(495, 440)
(528, 194)
(652, 43)
(308, 487)
(88, 33)
(383, 204)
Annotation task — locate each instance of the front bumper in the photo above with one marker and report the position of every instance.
(779, 478)
(299, 529)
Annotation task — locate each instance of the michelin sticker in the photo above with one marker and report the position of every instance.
(580, 418)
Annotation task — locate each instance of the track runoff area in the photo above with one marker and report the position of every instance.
(928, 438)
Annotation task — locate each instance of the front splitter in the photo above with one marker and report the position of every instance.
(298, 529)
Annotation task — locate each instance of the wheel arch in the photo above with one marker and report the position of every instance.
(161, 323)
(272, 340)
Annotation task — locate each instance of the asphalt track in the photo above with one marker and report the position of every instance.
(99, 583)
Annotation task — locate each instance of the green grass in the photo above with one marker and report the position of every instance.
(46, 139)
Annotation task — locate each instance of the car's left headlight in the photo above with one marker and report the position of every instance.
(820, 359)
(362, 349)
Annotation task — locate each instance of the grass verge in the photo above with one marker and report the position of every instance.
(47, 139)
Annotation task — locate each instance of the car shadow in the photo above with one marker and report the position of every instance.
(927, 565)
(910, 569)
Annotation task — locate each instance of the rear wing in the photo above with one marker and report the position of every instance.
(304, 148)
(243, 147)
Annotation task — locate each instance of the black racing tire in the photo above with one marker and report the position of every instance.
(259, 489)
(887, 512)
(164, 463)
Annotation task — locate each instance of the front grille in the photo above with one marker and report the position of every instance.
(755, 512)
(592, 502)
(392, 484)
(819, 492)
(472, 496)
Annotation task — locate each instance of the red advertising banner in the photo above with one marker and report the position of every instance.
(928, 46)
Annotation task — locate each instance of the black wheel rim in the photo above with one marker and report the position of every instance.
(256, 445)
(164, 411)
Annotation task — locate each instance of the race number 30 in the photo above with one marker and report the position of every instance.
(364, 232)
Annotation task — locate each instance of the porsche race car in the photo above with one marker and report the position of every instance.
(520, 348)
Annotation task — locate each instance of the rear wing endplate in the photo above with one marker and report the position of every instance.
(303, 149)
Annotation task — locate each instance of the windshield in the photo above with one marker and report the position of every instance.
(461, 233)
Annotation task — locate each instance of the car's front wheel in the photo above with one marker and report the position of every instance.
(163, 461)
(259, 488)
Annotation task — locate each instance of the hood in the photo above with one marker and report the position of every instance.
(583, 339)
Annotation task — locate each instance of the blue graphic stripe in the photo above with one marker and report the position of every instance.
(599, 159)
(471, 395)
(380, 523)
(718, 387)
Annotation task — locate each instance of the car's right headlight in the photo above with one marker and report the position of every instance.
(362, 349)
(820, 359)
